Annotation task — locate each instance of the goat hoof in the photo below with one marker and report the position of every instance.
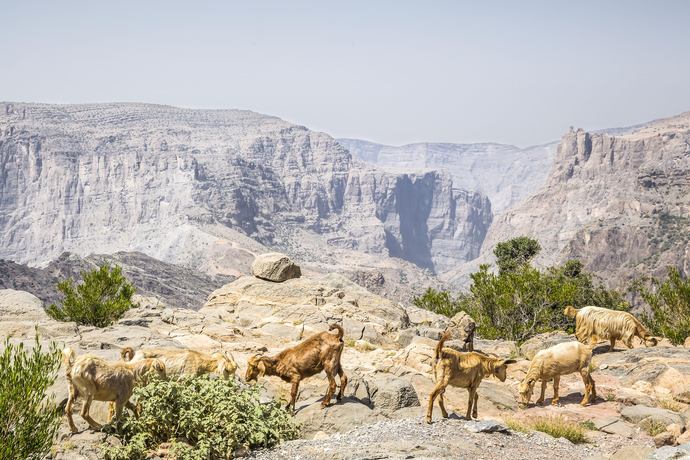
(428, 420)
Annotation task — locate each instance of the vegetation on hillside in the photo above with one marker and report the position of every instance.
(29, 419)
(102, 298)
(200, 418)
(669, 304)
(521, 301)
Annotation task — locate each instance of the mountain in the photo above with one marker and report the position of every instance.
(621, 203)
(505, 173)
(208, 189)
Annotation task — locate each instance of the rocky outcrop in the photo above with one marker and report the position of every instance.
(619, 203)
(209, 189)
(174, 285)
(505, 173)
(274, 266)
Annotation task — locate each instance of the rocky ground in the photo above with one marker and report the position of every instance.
(389, 348)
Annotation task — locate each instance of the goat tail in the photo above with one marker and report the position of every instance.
(340, 333)
(439, 346)
(127, 353)
(68, 359)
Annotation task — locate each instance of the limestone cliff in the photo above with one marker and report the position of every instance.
(619, 202)
(208, 189)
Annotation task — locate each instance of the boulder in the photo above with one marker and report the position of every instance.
(393, 393)
(484, 426)
(632, 453)
(638, 414)
(20, 306)
(343, 416)
(274, 266)
(664, 439)
(543, 341)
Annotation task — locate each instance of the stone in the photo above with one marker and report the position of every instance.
(543, 341)
(485, 426)
(392, 393)
(664, 439)
(637, 414)
(684, 438)
(632, 453)
(340, 417)
(274, 266)
(462, 328)
(620, 428)
(686, 344)
(670, 452)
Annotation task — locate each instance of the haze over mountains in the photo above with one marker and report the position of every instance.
(208, 189)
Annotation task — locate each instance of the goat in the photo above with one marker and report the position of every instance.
(184, 362)
(595, 322)
(98, 380)
(551, 363)
(320, 352)
(463, 370)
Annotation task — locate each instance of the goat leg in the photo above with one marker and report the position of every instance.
(442, 405)
(543, 393)
(474, 406)
(86, 416)
(293, 394)
(69, 406)
(331, 390)
(556, 382)
(343, 383)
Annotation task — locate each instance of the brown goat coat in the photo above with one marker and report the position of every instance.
(463, 370)
(320, 352)
(98, 380)
(181, 362)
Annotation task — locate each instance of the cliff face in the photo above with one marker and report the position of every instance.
(208, 188)
(505, 173)
(620, 203)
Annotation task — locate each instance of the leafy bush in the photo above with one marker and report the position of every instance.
(102, 298)
(28, 420)
(518, 303)
(200, 418)
(669, 302)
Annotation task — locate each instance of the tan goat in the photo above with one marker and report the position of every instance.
(564, 358)
(320, 352)
(183, 362)
(95, 379)
(593, 323)
(463, 370)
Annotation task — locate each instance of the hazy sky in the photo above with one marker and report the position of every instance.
(393, 72)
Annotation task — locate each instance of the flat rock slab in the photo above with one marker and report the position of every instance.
(485, 426)
(636, 414)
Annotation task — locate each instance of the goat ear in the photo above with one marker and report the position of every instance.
(510, 361)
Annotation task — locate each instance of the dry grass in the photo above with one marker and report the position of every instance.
(558, 427)
(672, 405)
(652, 427)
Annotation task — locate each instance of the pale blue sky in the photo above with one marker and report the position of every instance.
(394, 72)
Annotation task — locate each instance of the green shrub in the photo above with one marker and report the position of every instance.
(28, 419)
(520, 302)
(200, 418)
(102, 298)
(669, 302)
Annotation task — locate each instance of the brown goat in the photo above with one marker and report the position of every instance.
(464, 370)
(320, 352)
(98, 380)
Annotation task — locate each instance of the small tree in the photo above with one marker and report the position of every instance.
(515, 253)
(28, 419)
(102, 298)
(439, 302)
(669, 302)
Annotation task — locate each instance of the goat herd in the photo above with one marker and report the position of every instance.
(95, 379)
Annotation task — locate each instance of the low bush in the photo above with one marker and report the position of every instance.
(102, 298)
(669, 305)
(28, 419)
(555, 426)
(201, 418)
(520, 301)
